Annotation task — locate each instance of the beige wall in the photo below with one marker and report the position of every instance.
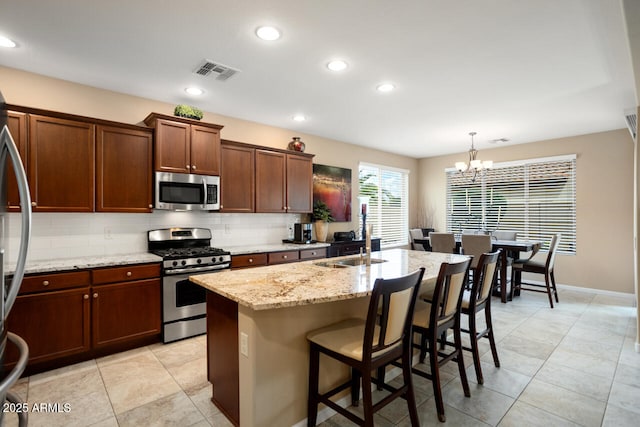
(604, 185)
(604, 168)
(32, 90)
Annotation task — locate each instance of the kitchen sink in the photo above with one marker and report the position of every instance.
(349, 262)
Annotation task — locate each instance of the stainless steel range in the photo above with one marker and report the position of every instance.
(185, 252)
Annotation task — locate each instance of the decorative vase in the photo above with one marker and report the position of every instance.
(296, 144)
(322, 229)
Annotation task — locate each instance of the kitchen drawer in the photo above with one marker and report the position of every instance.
(124, 274)
(282, 257)
(251, 260)
(313, 253)
(48, 282)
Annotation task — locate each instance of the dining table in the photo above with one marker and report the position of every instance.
(508, 248)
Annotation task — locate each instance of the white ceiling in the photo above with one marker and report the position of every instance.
(522, 70)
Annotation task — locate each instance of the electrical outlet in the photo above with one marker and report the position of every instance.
(227, 229)
(244, 344)
(107, 233)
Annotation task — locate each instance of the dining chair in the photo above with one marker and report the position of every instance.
(532, 265)
(416, 234)
(475, 245)
(431, 321)
(366, 345)
(478, 299)
(442, 242)
(504, 235)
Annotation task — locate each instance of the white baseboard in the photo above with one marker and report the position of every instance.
(590, 290)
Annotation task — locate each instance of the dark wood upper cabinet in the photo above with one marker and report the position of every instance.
(205, 150)
(299, 184)
(271, 181)
(61, 164)
(185, 145)
(124, 177)
(17, 123)
(284, 182)
(237, 178)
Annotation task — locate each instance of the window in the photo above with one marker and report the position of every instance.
(387, 210)
(536, 198)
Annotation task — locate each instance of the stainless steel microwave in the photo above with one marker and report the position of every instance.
(187, 192)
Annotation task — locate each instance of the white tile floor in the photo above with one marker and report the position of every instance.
(574, 365)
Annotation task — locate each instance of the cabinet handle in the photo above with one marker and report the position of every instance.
(95, 295)
(150, 206)
(284, 256)
(250, 260)
(33, 204)
(188, 167)
(313, 253)
(85, 296)
(128, 274)
(193, 167)
(45, 283)
(221, 207)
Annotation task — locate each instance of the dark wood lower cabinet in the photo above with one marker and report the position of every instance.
(54, 324)
(124, 311)
(78, 315)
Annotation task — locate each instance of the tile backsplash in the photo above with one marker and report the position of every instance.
(69, 235)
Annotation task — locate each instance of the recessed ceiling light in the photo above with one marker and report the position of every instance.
(7, 42)
(195, 91)
(299, 118)
(337, 65)
(385, 87)
(268, 33)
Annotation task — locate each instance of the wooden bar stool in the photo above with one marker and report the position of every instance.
(366, 345)
(478, 299)
(431, 321)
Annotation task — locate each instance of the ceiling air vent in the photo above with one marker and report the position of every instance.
(632, 122)
(220, 71)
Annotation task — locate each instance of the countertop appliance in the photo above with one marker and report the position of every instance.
(302, 232)
(11, 285)
(185, 252)
(344, 236)
(187, 191)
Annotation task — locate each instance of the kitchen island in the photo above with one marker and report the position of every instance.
(257, 321)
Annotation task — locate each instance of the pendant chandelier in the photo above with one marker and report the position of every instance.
(475, 167)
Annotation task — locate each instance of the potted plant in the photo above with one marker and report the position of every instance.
(188, 111)
(322, 217)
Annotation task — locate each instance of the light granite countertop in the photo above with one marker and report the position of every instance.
(278, 247)
(79, 263)
(312, 282)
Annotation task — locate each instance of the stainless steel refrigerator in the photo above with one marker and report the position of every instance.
(11, 277)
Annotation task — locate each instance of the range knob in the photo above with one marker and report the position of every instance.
(221, 259)
(175, 263)
(213, 260)
(183, 262)
(199, 261)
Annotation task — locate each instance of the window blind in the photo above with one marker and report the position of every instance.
(536, 198)
(387, 210)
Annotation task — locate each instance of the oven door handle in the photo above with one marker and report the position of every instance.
(209, 268)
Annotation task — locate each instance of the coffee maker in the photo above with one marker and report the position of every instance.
(302, 232)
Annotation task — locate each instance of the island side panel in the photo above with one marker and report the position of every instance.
(222, 354)
(274, 376)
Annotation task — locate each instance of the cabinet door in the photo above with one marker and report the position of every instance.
(123, 169)
(173, 140)
(271, 181)
(237, 179)
(125, 311)
(205, 150)
(17, 123)
(61, 165)
(54, 324)
(299, 184)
